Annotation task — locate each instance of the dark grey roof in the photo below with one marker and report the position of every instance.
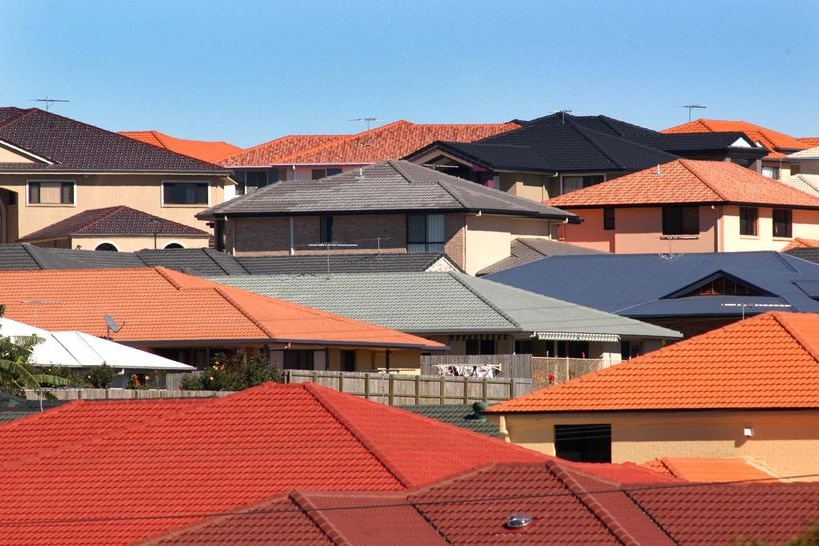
(461, 415)
(442, 303)
(68, 145)
(809, 254)
(391, 186)
(656, 285)
(344, 263)
(196, 261)
(524, 251)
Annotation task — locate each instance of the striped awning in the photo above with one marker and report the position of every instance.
(575, 336)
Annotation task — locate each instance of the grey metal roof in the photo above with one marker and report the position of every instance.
(391, 186)
(444, 303)
(527, 250)
(344, 263)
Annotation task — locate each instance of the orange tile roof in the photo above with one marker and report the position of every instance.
(799, 242)
(158, 304)
(114, 472)
(770, 361)
(392, 141)
(688, 181)
(811, 142)
(212, 152)
(714, 470)
(778, 143)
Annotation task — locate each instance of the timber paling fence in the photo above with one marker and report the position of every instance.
(385, 388)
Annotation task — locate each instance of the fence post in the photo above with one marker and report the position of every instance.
(417, 390)
(485, 390)
(341, 382)
(442, 390)
(466, 389)
(367, 379)
(391, 387)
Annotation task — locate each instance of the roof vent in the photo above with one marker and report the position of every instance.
(658, 172)
(518, 520)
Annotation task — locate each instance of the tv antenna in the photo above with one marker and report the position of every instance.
(692, 107)
(48, 102)
(368, 120)
(37, 303)
(563, 115)
(111, 326)
(328, 245)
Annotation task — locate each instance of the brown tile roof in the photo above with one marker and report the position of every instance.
(212, 152)
(66, 145)
(716, 370)
(688, 181)
(114, 221)
(392, 141)
(778, 143)
(171, 306)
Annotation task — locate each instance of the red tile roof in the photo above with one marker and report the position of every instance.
(721, 369)
(710, 470)
(158, 304)
(688, 181)
(120, 221)
(119, 471)
(212, 152)
(778, 143)
(392, 141)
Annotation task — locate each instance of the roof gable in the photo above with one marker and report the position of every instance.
(721, 371)
(688, 181)
(778, 143)
(73, 146)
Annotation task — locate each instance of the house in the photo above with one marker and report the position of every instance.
(389, 207)
(53, 167)
(561, 153)
(775, 164)
(555, 504)
(118, 228)
(689, 206)
(472, 316)
(310, 157)
(189, 319)
(165, 464)
(748, 390)
(692, 293)
(211, 152)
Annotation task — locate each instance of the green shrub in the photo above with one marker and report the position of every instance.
(234, 372)
(101, 377)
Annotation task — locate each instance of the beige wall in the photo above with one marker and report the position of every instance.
(10, 156)
(489, 238)
(784, 442)
(527, 185)
(133, 244)
(805, 225)
(140, 192)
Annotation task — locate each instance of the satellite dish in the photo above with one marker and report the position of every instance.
(111, 325)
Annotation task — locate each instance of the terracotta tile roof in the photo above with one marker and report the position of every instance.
(688, 181)
(716, 370)
(173, 306)
(212, 152)
(120, 471)
(710, 470)
(799, 242)
(392, 141)
(114, 221)
(809, 141)
(65, 145)
(778, 143)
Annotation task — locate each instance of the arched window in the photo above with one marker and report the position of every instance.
(174, 245)
(106, 246)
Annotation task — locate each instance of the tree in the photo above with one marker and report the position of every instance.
(16, 374)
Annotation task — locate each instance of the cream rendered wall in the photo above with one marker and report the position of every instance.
(805, 225)
(141, 192)
(9, 156)
(488, 238)
(527, 185)
(132, 244)
(784, 442)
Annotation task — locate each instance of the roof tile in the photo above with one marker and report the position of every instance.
(778, 143)
(212, 152)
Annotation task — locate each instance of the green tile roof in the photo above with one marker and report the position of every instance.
(460, 415)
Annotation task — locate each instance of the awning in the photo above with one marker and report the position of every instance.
(575, 336)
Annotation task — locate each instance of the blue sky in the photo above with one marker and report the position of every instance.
(249, 71)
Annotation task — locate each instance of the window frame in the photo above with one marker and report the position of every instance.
(585, 180)
(749, 221)
(198, 183)
(428, 245)
(778, 225)
(326, 229)
(324, 172)
(69, 185)
(684, 225)
(609, 218)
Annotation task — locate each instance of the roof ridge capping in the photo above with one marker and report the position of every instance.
(693, 168)
(790, 323)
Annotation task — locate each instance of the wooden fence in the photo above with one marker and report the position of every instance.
(122, 394)
(553, 370)
(512, 366)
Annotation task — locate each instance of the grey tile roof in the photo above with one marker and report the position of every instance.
(807, 183)
(74, 146)
(461, 415)
(196, 261)
(442, 303)
(808, 254)
(114, 221)
(391, 186)
(524, 251)
(343, 263)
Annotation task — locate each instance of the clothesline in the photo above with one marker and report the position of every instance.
(466, 370)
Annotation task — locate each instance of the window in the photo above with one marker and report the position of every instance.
(782, 223)
(748, 217)
(583, 443)
(480, 346)
(108, 247)
(771, 172)
(51, 193)
(425, 233)
(185, 193)
(173, 245)
(321, 173)
(681, 221)
(255, 179)
(573, 183)
(326, 229)
(608, 218)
